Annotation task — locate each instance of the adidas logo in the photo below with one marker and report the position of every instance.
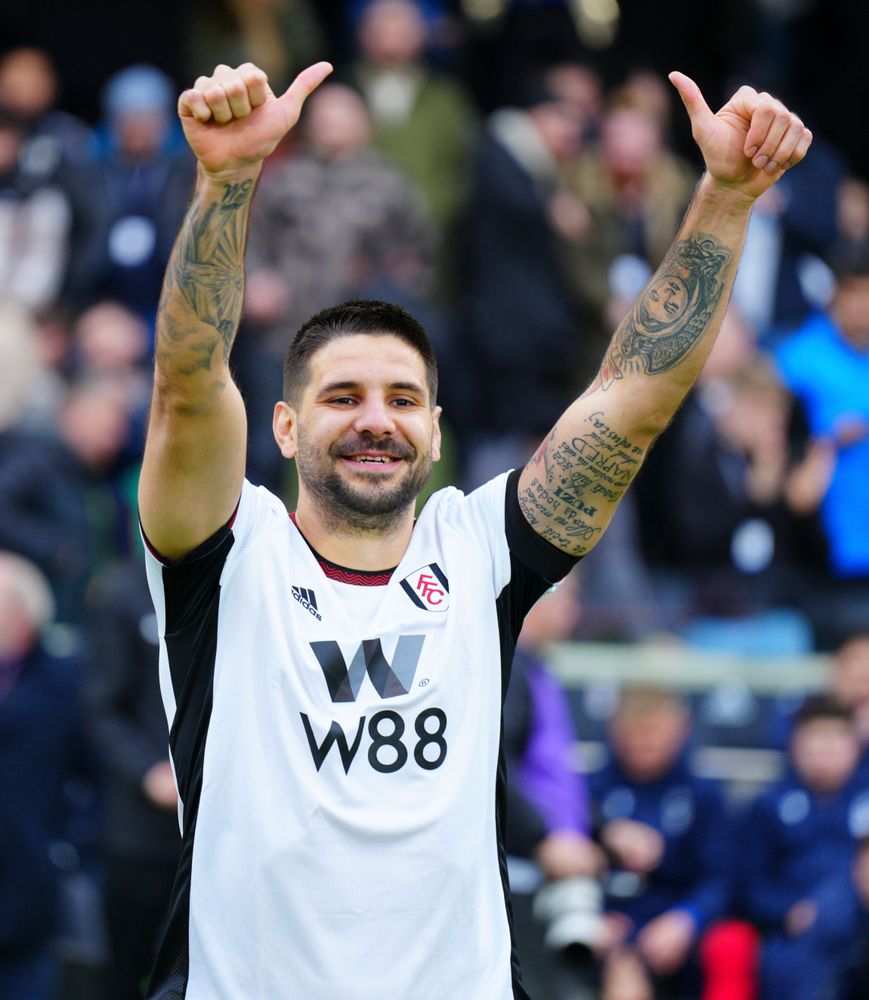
(306, 598)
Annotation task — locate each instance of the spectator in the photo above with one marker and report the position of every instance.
(826, 365)
(40, 733)
(797, 840)
(141, 836)
(144, 185)
(57, 506)
(282, 37)
(548, 808)
(636, 192)
(336, 223)
(666, 833)
(423, 122)
(523, 324)
(35, 219)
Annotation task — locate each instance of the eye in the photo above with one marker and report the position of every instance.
(342, 401)
(403, 401)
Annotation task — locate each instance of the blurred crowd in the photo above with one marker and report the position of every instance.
(489, 166)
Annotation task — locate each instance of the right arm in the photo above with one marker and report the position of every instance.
(194, 460)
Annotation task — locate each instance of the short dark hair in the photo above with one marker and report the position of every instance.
(822, 707)
(365, 316)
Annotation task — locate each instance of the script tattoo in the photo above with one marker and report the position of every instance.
(577, 482)
(207, 269)
(673, 312)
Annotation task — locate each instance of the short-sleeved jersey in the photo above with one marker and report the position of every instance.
(336, 739)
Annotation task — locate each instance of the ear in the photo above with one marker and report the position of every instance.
(284, 424)
(436, 434)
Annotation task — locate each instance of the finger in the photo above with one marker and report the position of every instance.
(786, 146)
(258, 90)
(761, 113)
(236, 94)
(192, 104)
(218, 101)
(801, 150)
(303, 86)
(775, 133)
(695, 104)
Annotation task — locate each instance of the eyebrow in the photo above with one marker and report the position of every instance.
(331, 387)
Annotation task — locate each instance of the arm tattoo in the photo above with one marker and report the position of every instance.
(673, 312)
(576, 481)
(205, 274)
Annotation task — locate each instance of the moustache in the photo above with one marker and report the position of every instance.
(367, 442)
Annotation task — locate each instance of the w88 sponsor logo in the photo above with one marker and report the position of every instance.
(388, 750)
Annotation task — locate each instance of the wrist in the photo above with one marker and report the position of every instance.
(724, 197)
(219, 179)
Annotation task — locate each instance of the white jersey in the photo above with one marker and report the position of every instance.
(336, 739)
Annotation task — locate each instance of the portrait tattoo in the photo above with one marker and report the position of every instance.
(673, 312)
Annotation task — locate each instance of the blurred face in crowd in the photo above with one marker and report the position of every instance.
(140, 134)
(630, 143)
(95, 422)
(392, 33)
(336, 122)
(364, 433)
(559, 128)
(647, 736)
(110, 338)
(824, 753)
(851, 672)
(28, 84)
(579, 87)
(851, 310)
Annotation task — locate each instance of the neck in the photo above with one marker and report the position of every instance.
(361, 543)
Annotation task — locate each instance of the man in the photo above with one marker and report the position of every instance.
(329, 679)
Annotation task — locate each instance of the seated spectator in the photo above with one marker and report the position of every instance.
(143, 186)
(666, 833)
(423, 122)
(35, 221)
(141, 839)
(57, 504)
(523, 324)
(798, 840)
(636, 191)
(548, 810)
(826, 365)
(41, 740)
(336, 223)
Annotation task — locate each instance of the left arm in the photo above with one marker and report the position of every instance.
(570, 489)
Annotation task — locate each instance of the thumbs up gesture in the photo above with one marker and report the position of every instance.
(233, 121)
(750, 142)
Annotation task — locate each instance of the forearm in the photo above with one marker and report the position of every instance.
(201, 303)
(660, 347)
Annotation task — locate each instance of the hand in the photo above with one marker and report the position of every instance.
(625, 978)
(750, 142)
(159, 786)
(635, 846)
(665, 941)
(233, 121)
(566, 854)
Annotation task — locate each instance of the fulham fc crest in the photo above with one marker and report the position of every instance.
(428, 588)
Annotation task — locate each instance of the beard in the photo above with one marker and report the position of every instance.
(344, 505)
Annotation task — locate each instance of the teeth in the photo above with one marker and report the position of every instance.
(371, 458)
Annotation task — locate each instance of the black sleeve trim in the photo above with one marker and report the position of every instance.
(526, 545)
(201, 550)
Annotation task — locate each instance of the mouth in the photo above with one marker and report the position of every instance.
(372, 461)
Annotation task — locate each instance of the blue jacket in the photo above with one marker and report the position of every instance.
(689, 812)
(792, 840)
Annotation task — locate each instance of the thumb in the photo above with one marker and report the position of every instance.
(303, 86)
(698, 110)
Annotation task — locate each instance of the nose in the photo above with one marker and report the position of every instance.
(374, 416)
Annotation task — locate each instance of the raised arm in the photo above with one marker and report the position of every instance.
(195, 452)
(573, 484)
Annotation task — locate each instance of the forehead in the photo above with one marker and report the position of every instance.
(371, 360)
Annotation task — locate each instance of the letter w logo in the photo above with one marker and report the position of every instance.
(389, 680)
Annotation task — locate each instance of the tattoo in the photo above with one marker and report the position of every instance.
(673, 312)
(205, 274)
(578, 482)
